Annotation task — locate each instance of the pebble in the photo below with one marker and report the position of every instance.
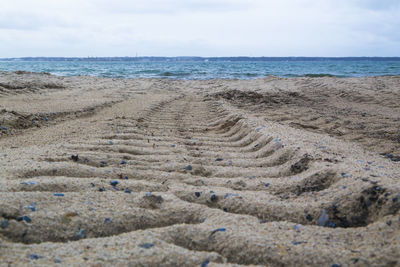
(173, 145)
(46, 119)
(102, 189)
(219, 159)
(336, 265)
(111, 142)
(228, 195)
(197, 194)
(4, 224)
(252, 177)
(107, 220)
(323, 219)
(24, 218)
(128, 191)
(123, 162)
(309, 217)
(345, 175)
(188, 168)
(34, 256)
(4, 128)
(148, 194)
(331, 224)
(58, 194)
(214, 197)
(103, 163)
(267, 184)
(57, 261)
(205, 263)
(114, 183)
(81, 234)
(230, 163)
(146, 245)
(32, 208)
(75, 157)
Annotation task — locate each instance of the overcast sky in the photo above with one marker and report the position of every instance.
(199, 28)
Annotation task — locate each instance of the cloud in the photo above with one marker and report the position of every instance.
(204, 28)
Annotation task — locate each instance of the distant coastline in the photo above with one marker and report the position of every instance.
(212, 59)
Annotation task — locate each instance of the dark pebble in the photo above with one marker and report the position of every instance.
(146, 245)
(107, 220)
(58, 194)
(202, 220)
(128, 191)
(102, 189)
(86, 160)
(205, 263)
(331, 224)
(114, 183)
(219, 159)
(298, 242)
(123, 162)
(214, 197)
(188, 168)
(389, 223)
(355, 261)
(103, 163)
(378, 188)
(111, 142)
(323, 218)
(267, 184)
(46, 119)
(197, 194)
(4, 223)
(256, 145)
(309, 217)
(336, 265)
(395, 199)
(225, 209)
(57, 261)
(364, 114)
(4, 128)
(230, 163)
(34, 256)
(81, 234)
(75, 157)
(24, 218)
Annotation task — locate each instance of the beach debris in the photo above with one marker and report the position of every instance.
(58, 194)
(230, 163)
(205, 263)
(278, 144)
(29, 183)
(4, 128)
(298, 242)
(24, 218)
(107, 220)
(197, 194)
(323, 218)
(75, 157)
(34, 256)
(252, 177)
(267, 184)
(57, 261)
(102, 189)
(297, 227)
(219, 159)
(4, 224)
(114, 183)
(188, 168)
(217, 230)
(146, 245)
(345, 175)
(80, 234)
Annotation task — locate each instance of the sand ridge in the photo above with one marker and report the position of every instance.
(195, 173)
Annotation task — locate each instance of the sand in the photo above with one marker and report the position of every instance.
(148, 172)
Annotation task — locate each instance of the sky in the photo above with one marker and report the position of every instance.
(85, 28)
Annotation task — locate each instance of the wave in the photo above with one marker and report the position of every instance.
(173, 74)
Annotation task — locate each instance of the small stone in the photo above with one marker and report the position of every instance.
(102, 189)
(188, 168)
(228, 195)
(111, 142)
(4, 224)
(230, 163)
(57, 261)
(267, 184)
(103, 163)
(128, 191)
(345, 175)
(32, 208)
(114, 183)
(146, 245)
(148, 194)
(297, 227)
(331, 224)
(202, 220)
(336, 265)
(309, 217)
(395, 199)
(197, 194)
(107, 220)
(344, 187)
(252, 177)
(4, 128)
(219, 159)
(173, 145)
(34, 256)
(323, 218)
(205, 263)
(75, 157)
(58, 194)
(80, 235)
(214, 197)
(123, 162)
(26, 219)
(363, 114)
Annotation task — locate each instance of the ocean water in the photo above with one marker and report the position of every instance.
(207, 70)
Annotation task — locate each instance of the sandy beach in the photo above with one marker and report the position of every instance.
(149, 172)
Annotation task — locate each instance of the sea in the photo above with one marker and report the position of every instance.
(206, 68)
